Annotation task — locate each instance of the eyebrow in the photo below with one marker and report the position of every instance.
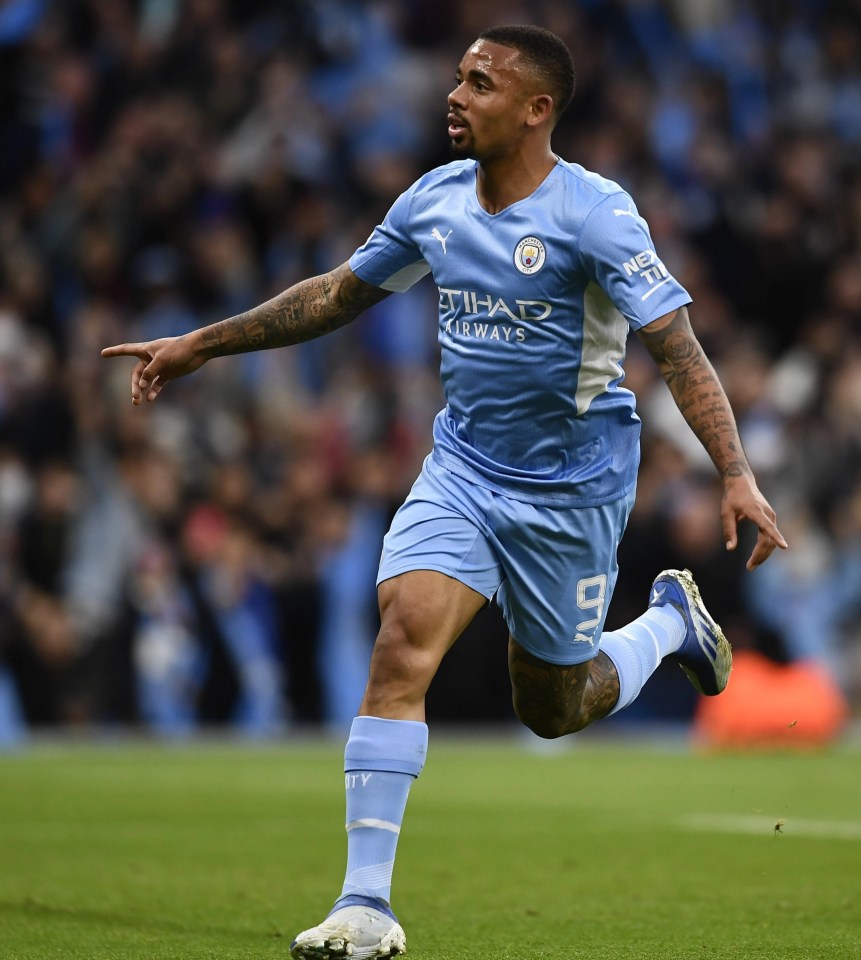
(475, 74)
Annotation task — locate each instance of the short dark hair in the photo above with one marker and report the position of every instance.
(545, 53)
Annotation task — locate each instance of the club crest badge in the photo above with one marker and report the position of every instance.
(529, 255)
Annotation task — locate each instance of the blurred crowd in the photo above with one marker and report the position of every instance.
(210, 559)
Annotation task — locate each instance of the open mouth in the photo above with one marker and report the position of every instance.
(456, 126)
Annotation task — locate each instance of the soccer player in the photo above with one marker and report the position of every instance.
(542, 268)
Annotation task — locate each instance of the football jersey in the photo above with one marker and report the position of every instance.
(535, 306)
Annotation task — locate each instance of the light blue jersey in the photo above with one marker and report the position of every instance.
(535, 306)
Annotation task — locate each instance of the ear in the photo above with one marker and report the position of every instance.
(539, 109)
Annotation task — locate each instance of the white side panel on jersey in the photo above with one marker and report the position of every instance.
(605, 332)
(406, 277)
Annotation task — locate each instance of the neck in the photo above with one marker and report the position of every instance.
(503, 181)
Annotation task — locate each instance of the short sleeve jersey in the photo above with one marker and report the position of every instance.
(535, 306)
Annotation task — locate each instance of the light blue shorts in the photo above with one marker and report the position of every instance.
(552, 569)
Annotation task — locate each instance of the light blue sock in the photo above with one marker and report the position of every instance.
(381, 760)
(637, 649)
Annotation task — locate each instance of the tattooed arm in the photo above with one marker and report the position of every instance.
(306, 310)
(696, 390)
(701, 399)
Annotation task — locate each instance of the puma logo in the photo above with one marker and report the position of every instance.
(438, 236)
(625, 213)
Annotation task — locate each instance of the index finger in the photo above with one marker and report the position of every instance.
(769, 529)
(762, 551)
(138, 350)
(769, 538)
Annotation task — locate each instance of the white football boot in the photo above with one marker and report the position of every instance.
(357, 930)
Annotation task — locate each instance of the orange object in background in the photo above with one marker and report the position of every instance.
(772, 704)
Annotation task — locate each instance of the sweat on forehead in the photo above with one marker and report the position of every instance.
(485, 55)
(487, 49)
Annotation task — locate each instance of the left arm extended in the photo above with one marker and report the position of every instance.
(701, 399)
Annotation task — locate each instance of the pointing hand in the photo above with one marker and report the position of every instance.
(159, 362)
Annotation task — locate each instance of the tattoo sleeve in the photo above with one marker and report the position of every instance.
(304, 311)
(697, 391)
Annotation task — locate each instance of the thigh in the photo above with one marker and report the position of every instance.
(426, 610)
(560, 570)
(442, 526)
(422, 614)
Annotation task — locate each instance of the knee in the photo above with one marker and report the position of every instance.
(422, 614)
(403, 663)
(548, 698)
(547, 722)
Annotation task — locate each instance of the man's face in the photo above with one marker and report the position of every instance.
(489, 105)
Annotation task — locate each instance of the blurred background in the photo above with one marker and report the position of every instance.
(209, 561)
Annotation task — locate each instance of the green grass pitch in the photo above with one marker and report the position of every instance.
(599, 850)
